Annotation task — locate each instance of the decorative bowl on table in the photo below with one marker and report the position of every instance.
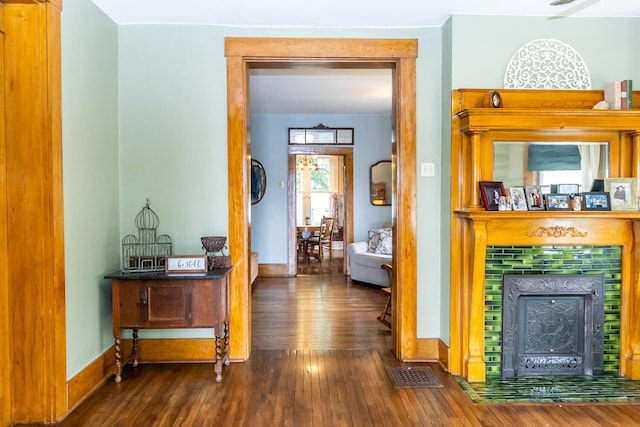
(213, 243)
(305, 234)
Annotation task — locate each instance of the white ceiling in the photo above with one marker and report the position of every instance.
(337, 91)
(320, 91)
(343, 13)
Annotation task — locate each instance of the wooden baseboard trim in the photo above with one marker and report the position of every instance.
(90, 379)
(172, 350)
(443, 354)
(273, 270)
(431, 350)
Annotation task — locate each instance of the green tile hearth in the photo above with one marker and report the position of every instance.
(551, 389)
(501, 260)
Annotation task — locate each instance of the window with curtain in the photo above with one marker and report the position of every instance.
(553, 157)
(314, 190)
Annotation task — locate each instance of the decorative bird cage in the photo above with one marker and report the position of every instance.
(145, 252)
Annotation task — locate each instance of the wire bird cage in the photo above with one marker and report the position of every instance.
(146, 252)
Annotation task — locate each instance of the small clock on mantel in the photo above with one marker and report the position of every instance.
(492, 99)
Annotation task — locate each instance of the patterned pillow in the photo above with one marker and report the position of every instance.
(380, 241)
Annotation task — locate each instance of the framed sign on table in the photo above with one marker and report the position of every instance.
(186, 265)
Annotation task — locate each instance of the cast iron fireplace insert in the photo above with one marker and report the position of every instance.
(552, 324)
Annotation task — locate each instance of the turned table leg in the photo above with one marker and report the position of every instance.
(134, 356)
(222, 350)
(134, 349)
(217, 366)
(226, 343)
(118, 367)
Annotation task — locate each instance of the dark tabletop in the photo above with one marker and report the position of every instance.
(215, 273)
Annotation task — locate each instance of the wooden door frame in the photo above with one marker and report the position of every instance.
(32, 264)
(347, 155)
(398, 54)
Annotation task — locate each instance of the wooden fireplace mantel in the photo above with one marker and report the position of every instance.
(534, 115)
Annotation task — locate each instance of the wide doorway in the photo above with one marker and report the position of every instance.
(399, 54)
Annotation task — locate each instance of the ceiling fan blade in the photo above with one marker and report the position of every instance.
(559, 2)
(574, 9)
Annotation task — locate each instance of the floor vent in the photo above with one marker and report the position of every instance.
(413, 377)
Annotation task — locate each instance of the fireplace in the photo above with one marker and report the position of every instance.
(475, 342)
(552, 325)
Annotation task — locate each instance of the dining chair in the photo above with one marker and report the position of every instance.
(386, 310)
(325, 239)
(303, 245)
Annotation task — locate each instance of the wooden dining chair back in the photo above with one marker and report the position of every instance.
(385, 316)
(326, 237)
(324, 241)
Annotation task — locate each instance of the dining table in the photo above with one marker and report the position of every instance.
(305, 232)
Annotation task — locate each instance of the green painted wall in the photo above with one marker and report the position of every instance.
(172, 85)
(480, 47)
(90, 174)
(144, 117)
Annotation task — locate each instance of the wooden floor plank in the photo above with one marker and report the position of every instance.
(319, 359)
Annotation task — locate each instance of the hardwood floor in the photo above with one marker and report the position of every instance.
(319, 359)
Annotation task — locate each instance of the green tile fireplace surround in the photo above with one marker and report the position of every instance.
(500, 260)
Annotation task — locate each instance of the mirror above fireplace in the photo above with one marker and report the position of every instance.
(520, 163)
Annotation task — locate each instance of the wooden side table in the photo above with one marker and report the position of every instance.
(160, 301)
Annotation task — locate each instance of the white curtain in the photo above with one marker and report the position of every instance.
(335, 210)
(589, 163)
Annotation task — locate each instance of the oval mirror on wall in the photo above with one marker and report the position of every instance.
(380, 183)
(258, 181)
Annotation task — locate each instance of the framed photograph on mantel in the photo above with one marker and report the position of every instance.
(557, 202)
(518, 198)
(490, 191)
(535, 202)
(622, 192)
(596, 201)
(571, 189)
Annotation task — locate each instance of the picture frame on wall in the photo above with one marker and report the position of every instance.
(535, 200)
(558, 202)
(258, 181)
(490, 192)
(596, 201)
(518, 198)
(622, 193)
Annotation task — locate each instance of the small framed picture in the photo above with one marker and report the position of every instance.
(535, 202)
(557, 202)
(623, 193)
(596, 201)
(571, 189)
(490, 191)
(597, 186)
(518, 198)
